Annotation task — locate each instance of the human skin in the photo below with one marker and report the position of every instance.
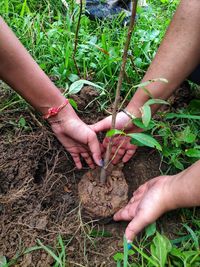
(158, 196)
(21, 72)
(176, 58)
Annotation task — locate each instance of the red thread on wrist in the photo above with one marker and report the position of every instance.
(55, 110)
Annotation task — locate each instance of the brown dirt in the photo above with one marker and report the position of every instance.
(39, 199)
(103, 200)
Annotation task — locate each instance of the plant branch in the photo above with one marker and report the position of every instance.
(76, 37)
(119, 85)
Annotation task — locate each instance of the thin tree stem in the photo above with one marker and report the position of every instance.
(76, 37)
(119, 85)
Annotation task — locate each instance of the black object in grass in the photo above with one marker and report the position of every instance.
(98, 9)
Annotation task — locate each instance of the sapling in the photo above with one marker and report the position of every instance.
(119, 85)
(101, 198)
(104, 191)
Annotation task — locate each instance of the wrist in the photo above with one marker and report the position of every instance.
(53, 99)
(67, 113)
(168, 195)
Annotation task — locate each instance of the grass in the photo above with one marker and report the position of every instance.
(156, 250)
(47, 29)
(48, 33)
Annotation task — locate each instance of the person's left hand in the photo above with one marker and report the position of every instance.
(148, 203)
(77, 138)
(77, 150)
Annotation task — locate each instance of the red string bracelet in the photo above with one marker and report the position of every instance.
(55, 110)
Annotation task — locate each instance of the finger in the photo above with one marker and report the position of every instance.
(102, 148)
(106, 141)
(102, 125)
(138, 223)
(95, 149)
(118, 156)
(131, 201)
(127, 213)
(88, 160)
(77, 160)
(128, 155)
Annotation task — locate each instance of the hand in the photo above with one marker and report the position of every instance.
(148, 203)
(122, 148)
(77, 138)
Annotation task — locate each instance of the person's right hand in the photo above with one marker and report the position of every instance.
(148, 203)
(122, 149)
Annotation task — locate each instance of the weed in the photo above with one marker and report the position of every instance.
(161, 251)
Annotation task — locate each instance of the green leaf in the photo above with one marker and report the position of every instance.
(73, 77)
(150, 230)
(145, 139)
(131, 252)
(181, 116)
(99, 233)
(192, 153)
(3, 261)
(138, 122)
(23, 9)
(186, 136)
(112, 132)
(145, 256)
(31, 249)
(73, 103)
(156, 101)
(193, 235)
(78, 85)
(178, 164)
(22, 122)
(118, 256)
(193, 106)
(50, 252)
(146, 115)
(160, 248)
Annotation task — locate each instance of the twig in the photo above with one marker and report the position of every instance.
(119, 85)
(76, 37)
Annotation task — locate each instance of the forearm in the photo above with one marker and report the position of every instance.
(21, 72)
(177, 55)
(185, 187)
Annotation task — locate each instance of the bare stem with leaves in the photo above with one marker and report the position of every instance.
(119, 85)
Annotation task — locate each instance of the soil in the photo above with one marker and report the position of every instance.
(39, 193)
(103, 200)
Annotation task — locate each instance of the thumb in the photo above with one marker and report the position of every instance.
(138, 223)
(102, 125)
(95, 149)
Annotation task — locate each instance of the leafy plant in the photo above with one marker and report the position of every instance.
(163, 252)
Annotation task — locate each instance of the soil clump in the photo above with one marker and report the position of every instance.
(103, 200)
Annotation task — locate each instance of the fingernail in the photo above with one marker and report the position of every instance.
(129, 245)
(101, 162)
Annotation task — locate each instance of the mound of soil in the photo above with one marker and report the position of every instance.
(103, 200)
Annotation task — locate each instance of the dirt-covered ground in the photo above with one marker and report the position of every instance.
(38, 193)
